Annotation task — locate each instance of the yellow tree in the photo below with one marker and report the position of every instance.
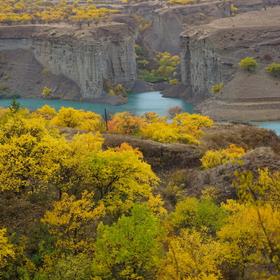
(261, 196)
(71, 222)
(119, 177)
(191, 256)
(69, 117)
(7, 251)
(125, 123)
(46, 112)
(252, 236)
(32, 156)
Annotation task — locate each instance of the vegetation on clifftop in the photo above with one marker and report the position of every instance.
(26, 11)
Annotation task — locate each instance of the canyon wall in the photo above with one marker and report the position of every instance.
(167, 22)
(82, 59)
(211, 54)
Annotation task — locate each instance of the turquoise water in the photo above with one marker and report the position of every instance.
(138, 104)
(272, 125)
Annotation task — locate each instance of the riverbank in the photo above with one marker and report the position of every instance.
(258, 111)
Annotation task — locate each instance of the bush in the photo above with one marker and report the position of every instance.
(180, 2)
(125, 123)
(173, 82)
(213, 158)
(118, 90)
(217, 88)
(233, 10)
(46, 112)
(46, 92)
(78, 119)
(248, 63)
(199, 214)
(273, 69)
(167, 64)
(150, 76)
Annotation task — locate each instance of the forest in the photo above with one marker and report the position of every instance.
(72, 209)
(186, 196)
(29, 11)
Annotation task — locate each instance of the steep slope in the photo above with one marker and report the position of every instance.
(211, 54)
(65, 58)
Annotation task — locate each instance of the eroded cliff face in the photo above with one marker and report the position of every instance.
(83, 59)
(211, 53)
(168, 22)
(200, 66)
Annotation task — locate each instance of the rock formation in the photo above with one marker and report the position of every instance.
(74, 63)
(167, 22)
(211, 54)
(223, 176)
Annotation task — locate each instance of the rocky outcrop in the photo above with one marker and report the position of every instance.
(167, 22)
(211, 54)
(250, 137)
(223, 176)
(160, 156)
(85, 58)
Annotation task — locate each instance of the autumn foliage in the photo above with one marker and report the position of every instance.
(231, 154)
(183, 128)
(77, 211)
(26, 11)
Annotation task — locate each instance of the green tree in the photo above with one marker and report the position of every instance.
(201, 214)
(129, 249)
(66, 267)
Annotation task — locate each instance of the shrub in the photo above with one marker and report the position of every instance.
(248, 63)
(46, 92)
(233, 10)
(167, 64)
(150, 76)
(78, 119)
(199, 214)
(125, 123)
(180, 2)
(46, 112)
(117, 90)
(213, 158)
(274, 69)
(173, 82)
(217, 88)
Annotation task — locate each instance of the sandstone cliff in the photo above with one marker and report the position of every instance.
(74, 63)
(211, 54)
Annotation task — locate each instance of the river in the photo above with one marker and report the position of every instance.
(138, 104)
(271, 125)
